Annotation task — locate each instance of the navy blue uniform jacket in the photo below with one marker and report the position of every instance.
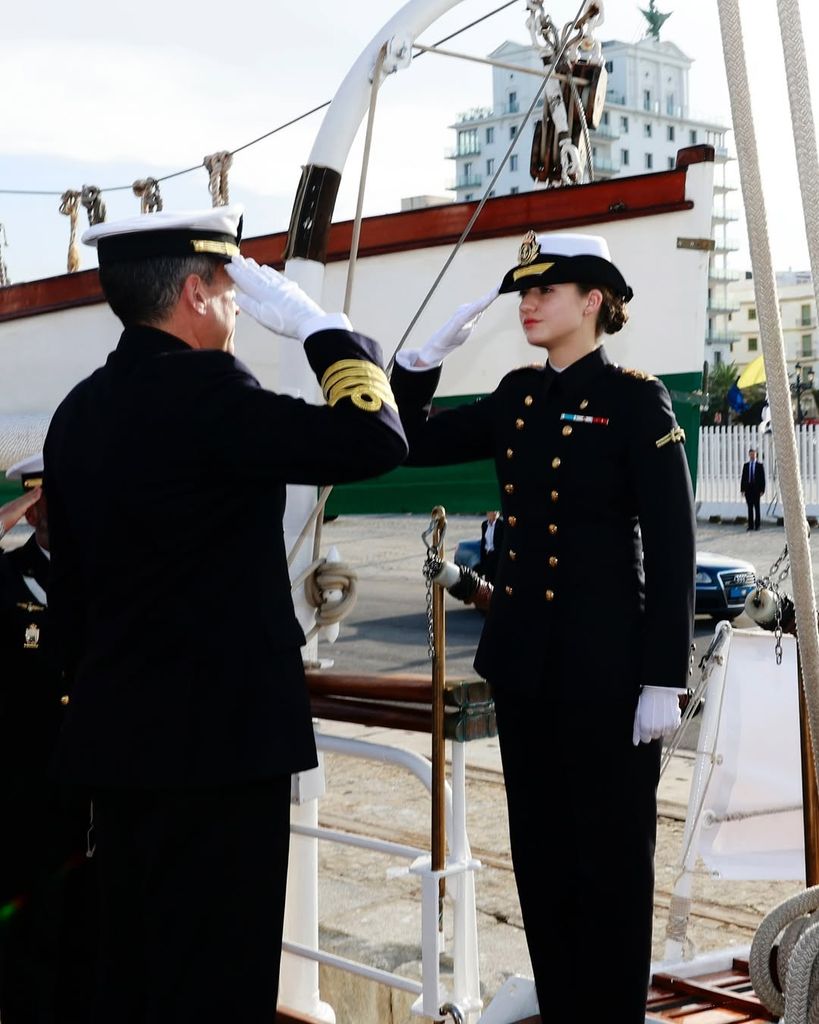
(594, 592)
(165, 477)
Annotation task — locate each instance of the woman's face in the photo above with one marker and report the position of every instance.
(551, 314)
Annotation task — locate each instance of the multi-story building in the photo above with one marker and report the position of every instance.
(646, 120)
(797, 310)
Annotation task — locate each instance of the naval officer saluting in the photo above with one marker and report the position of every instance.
(189, 709)
(587, 639)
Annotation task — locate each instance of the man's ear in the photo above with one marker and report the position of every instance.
(194, 294)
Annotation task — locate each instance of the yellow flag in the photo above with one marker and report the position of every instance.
(754, 373)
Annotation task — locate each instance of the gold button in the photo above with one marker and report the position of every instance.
(64, 699)
(528, 400)
(584, 404)
(509, 488)
(555, 463)
(567, 431)
(510, 453)
(552, 528)
(554, 495)
(550, 595)
(519, 424)
(553, 561)
(512, 520)
(508, 591)
(513, 555)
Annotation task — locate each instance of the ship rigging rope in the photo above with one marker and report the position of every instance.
(801, 962)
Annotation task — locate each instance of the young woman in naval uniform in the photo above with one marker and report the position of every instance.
(595, 488)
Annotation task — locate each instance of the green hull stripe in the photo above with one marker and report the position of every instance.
(471, 488)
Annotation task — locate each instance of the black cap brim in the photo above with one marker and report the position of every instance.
(552, 268)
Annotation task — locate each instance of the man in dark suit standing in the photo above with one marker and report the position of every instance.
(752, 486)
(189, 710)
(491, 544)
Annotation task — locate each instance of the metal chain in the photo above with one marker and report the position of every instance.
(776, 576)
(432, 566)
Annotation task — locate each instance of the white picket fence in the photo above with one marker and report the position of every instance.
(724, 450)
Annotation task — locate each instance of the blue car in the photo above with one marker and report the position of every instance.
(722, 582)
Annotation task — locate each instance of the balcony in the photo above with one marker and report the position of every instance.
(721, 307)
(606, 131)
(602, 166)
(467, 181)
(463, 151)
(721, 338)
(723, 217)
(475, 114)
(722, 275)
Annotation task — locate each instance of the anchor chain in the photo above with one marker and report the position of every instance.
(769, 590)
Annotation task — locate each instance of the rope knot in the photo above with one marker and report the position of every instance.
(321, 586)
(147, 191)
(91, 199)
(70, 206)
(217, 166)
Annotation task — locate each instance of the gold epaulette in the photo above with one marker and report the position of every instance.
(360, 380)
(637, 374)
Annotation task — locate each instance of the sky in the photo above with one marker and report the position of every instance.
(99, 94)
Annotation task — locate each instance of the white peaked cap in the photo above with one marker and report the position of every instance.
(32, 465)
(574, 245)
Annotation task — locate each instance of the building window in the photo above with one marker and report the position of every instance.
(717, 357)
(752, 344)
(669, 132)
(469, 197)
(692, 136)
(467, 170)
(649, 161)
(623, 124)
(468, 142)
(752, 312)
(513, 103)
(805, 321)
(669, 104)
(624, 157)
(513, 130)
(513, 162)
(490, 135)
(807, 346)
(647, 130)
(646, 99)
(609, 66)
(672, 163)
(513, 191)
(605, 118)
(490, 165)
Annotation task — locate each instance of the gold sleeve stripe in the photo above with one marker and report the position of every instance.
(531, 270)
(359, 380)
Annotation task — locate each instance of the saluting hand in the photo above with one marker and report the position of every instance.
(454, 332)
(278, 303)
(13, 511)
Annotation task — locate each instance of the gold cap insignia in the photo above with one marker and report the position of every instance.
(529, 249)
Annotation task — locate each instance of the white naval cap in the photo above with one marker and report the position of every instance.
(564, 258)
(212, 232)
(29, 470)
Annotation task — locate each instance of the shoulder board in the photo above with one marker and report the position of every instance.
(637, 374)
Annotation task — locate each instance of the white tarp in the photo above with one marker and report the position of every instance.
(749, 759)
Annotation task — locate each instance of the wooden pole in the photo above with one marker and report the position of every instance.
(438, 838)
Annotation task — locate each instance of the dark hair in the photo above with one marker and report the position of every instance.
(145, 291)
(613, 313)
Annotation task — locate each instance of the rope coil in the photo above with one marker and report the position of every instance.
(147, 191)
(323, 580)
(217, 166)
(91, 199)
(70, 206)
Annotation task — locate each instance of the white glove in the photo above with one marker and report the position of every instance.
(454, 332)
(278, 303)
(657, 715)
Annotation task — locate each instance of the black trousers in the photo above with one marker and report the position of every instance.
(573, 773)
(192, 903)
(752, 501)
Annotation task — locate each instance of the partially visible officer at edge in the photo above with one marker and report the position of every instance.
(189, 708)
(47, 899)
(594, 484)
